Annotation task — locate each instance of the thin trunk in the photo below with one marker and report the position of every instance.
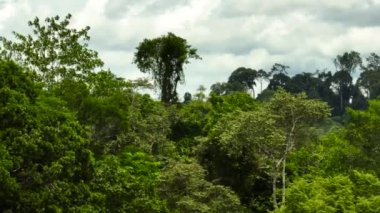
(274, 182)
(274, 189)
(368, 94)
(283, 180)
(288, 148)
(341, 100)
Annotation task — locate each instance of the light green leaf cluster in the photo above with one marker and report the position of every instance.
(358, 192)
(54, 50)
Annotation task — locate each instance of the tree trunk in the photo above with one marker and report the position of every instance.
(274, 189)
(288, 148)
(283, 180)
(341, 100)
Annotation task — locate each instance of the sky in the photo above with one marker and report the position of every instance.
(305, 35)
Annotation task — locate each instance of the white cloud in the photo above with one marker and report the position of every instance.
(7, 11)
(306, 35)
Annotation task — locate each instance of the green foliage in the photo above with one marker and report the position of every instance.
(363, 131)
(48, 150)
(244, 76)
(53, 50)
(330, 155)
(248, 133)
(8, 184)
(297, 109)
(118, 116)
(331, 194)
(46, 164)
(358, 192)
(240, 80)
(222, 105)
(247, 144)
(367, 190)
(188, 124)
(73, 92)
(164, 58)
(125, 118)
(200, 95)
(370, 77)
(128, 183)
(348, 62)
(265, 95)
(184, 186)
(105, 83)
(17, 79)
(256, 143)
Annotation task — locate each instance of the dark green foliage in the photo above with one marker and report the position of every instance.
(266, 95)
(244, 76)
(255, 145)
(233, 153)
(125, 118)
(118, 117)
(240, 80)
(279, 76)
(189, 123)
(47, 164)
(184, 186)
(48, 150)
(279, 80)
(187, 97)
(222, 105)
(17, 79)
(72, 91)
(363, 131)
(227, 88)
(262, 75)
(128, 183)
(370, 77)
(164, 58)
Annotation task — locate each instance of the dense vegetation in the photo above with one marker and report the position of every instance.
(77, 138)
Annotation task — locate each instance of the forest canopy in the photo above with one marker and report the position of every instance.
(75, 137)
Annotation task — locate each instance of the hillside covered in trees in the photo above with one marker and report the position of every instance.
(75, 137)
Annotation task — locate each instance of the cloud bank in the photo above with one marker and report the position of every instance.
(305, 35)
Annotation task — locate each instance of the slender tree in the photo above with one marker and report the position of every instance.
(200, 95)
(262, 75)
(292, 114)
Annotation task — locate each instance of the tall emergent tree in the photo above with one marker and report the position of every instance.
(164, 58)
(279, 76)
(262, 75)
(54, 50)
(345, 64)
(245, 77)
(369, 79)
